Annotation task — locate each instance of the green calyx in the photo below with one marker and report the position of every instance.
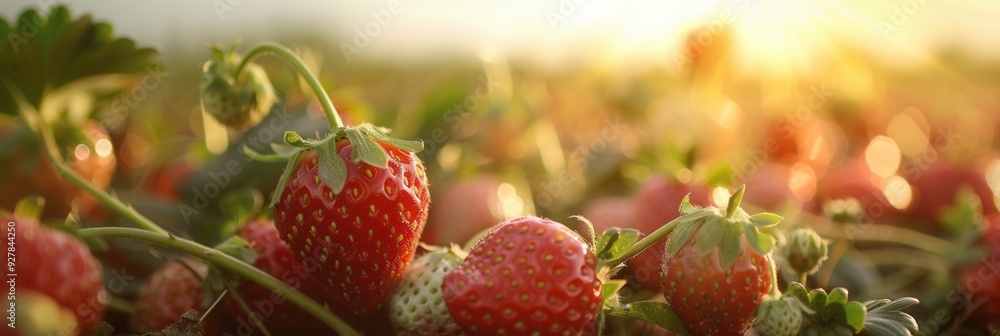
(224, 87)
(723, 229)
(367, 147)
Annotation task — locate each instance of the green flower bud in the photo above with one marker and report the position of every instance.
(804, 251)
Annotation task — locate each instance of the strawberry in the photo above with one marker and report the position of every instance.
(59, 270)
(656, 204)
(274, 258)
(417, 306)
(715, 269)
(464, 208)
(608, 212)
(854, 179)
(936, 189)
(526, 276)
(169, 292)
(779, 317)
(26, 171)
(235, 100)
(354, 204)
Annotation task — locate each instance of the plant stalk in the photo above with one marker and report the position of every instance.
(230, 264)
(324, 99)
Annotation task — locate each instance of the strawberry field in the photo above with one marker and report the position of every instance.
(752, 168)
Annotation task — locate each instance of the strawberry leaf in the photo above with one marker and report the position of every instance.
(681, 235)
(365, 149)
(45, 54)
(332, 169)
(30, 207)
(294, 139)
(240, 206)
(833, 314)
(289, 168)
(760, 242)
(653, 312)
(729, 247)
(710, 234)
(263, 157)
(414, 146)
(686, 206)
(885, 317)
(765, 219)
(609, 289)
(614, 242)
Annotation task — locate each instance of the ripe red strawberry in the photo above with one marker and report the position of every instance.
(527, 276)
(609, 212)
(715, 272)
(274, 258)
(656, 204)
(169, 292)
(26, 171)
(855, 180)
(55, 265)
(417, 307)
(464, 208)
(363, 236)
(937, 188)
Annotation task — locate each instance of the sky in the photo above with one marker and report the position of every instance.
(556, 30)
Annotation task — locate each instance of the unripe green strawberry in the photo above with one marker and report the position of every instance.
(417, 306)
(779, 317)
(235, 100)
(805, 251)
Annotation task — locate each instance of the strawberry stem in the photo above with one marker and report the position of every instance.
(654, 237)
(775, 292)
(324, 99)
(230, 264)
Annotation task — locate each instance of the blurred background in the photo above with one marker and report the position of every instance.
(874, 123)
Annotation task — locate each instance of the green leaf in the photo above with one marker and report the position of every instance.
(729, 247)
(710, 234)
(855, 313)
(837, 295)
(413, 146)
(610, 287)
(30, 207)
(760, 242)
(653, 312)
(681, 235)
(614, 242)
(294, 139)
(332, 169)
(885, 317)
(366, 149)
(293, 162)
(43, 55)
(735, 200)
(263, 157)
(590, 231)
(103, 329)
(686, 206)
(241, 205)
(765, 219)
